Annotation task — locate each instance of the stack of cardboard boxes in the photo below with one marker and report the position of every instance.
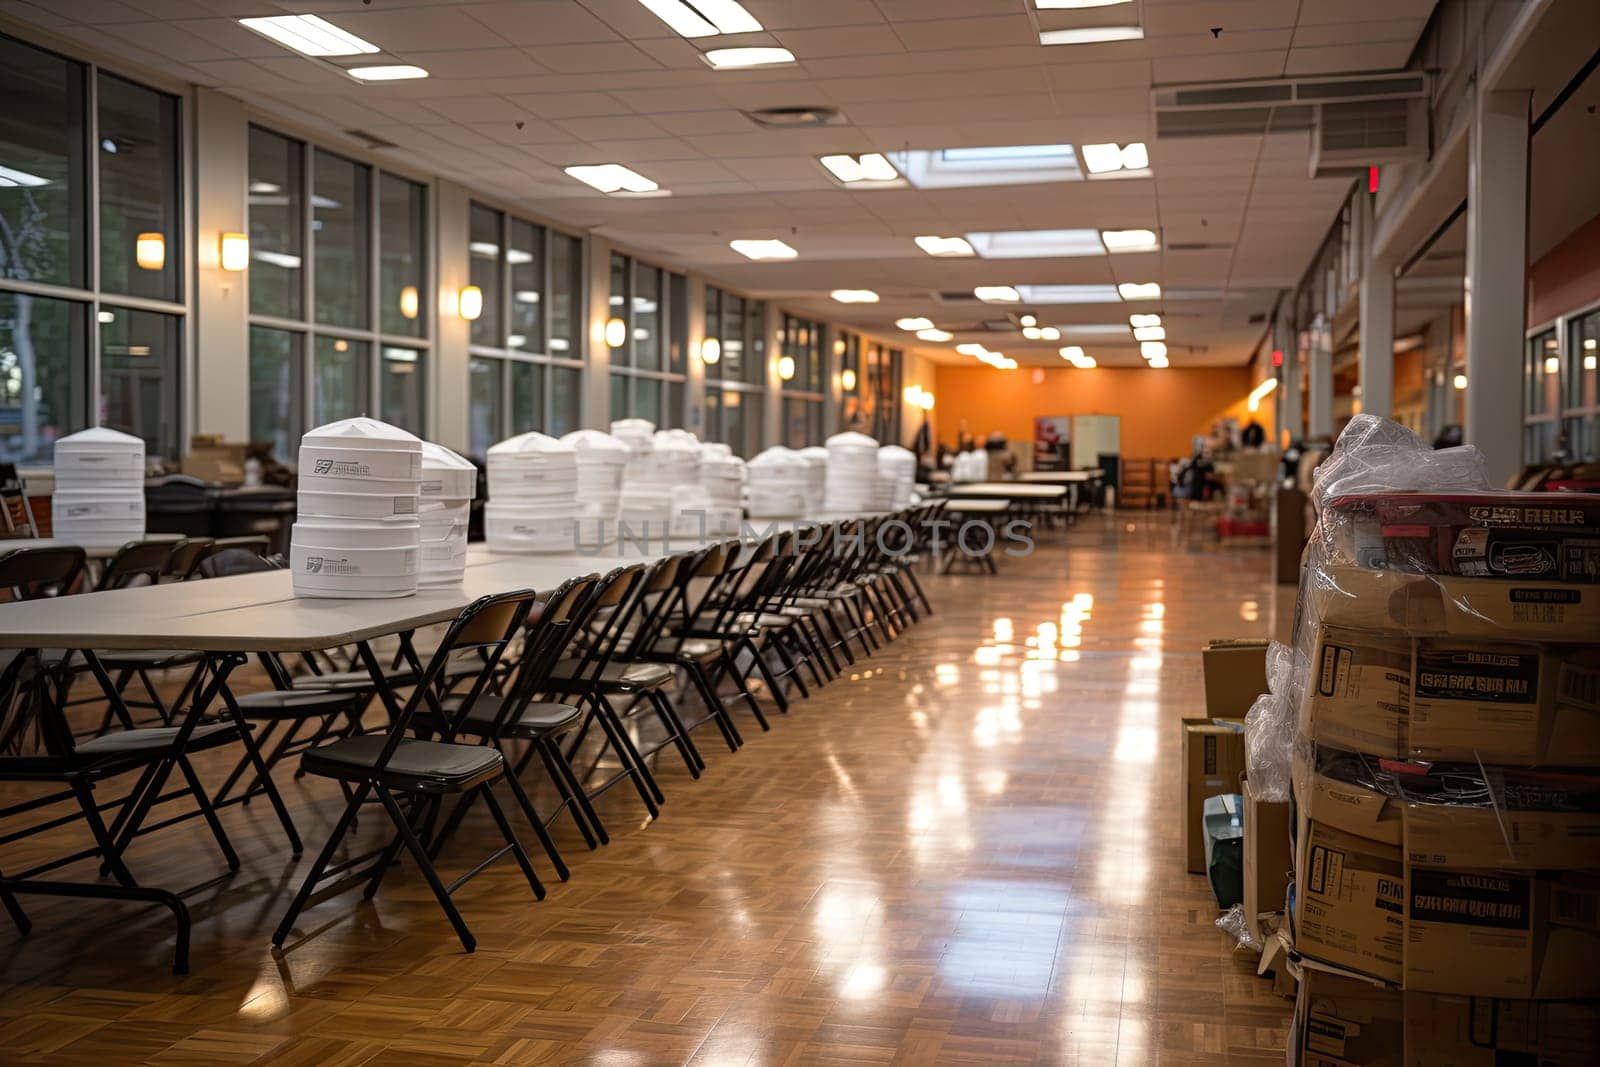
(1446, 780)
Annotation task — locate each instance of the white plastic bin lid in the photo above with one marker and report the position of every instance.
(814, 452)
(584, 441)
(362, 432)
(777, 456)
(633, 428)
(713, 450)
(100, 439)
(851, 439)
(446, 474)
(527, 443)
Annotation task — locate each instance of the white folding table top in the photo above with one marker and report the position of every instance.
(977, 506)
(1055, 477)
(1008, 490)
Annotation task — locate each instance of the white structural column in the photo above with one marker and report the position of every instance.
(1496, 282)
(1319, 380)
(1288, 406)
(221, 368)
(451, 380)
(596, 354)
(1377, 318)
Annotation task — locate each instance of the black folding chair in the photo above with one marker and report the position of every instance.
(145, 563)
(517, 715)
(424, 770)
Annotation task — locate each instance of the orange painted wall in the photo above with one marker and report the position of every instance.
(1161, 411)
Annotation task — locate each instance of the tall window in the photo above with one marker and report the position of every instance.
(1581, 416)
(646, 312)
(92, 300)
(344, 330)
(1541, 393)
(801, 370)
(736, 382)
(522, 374)
(883, 382)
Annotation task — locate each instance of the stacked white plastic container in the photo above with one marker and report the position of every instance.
(852, 474)
(722, 474)
(449, 482)
(678, 461)
(356, 533)
(533, 495)
(970, 466)
(775, 484)
(98, 501)
(601, 460)
(816, 458)
(897, 473)
(646, 492)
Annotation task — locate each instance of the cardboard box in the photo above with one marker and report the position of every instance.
(1341, 1020)
(1504, 702)
(1213, 762)
(1481, 608)
(1268, 859)
(211, 459)
(1359, 691)
(1349, 876)
(1236, 673)
(1445, 835)
(1518, 934)
(1486, 1032)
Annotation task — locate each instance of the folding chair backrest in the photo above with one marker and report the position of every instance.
(547, 641)
(226, 562)
(614, 594)
(16, 514)
(486, 626)
(186, 556)
(658, 596)
(136, 563)
(33, 573)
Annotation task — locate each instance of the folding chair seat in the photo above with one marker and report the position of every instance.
(414, 767)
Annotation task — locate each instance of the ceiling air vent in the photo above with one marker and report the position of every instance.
(1350, 137)
(791, 118)
(1233, 121)
(1197, 246)
(371, 140)
(957, 296)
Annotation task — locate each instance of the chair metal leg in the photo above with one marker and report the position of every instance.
(511, 840)
(779, 697)
(554, 758)
(314, 875)
(632, 764)
(668, 716)
(420, 854)
(520, 795)
(731, 668)
(569, 795)
(263, 773)
(208, 813)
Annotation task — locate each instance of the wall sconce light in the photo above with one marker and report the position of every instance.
(616, 333)
(234, 251)
(408, 302)
(786, 368)
(1260, 393)
(470, 304)
(1460, 381)
(150, 251)
(925, 401)
(710, 351)
(847, 380)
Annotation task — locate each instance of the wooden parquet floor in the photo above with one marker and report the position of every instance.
(967, 851)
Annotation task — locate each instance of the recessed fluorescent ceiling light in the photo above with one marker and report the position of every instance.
(868, 167)
(1110, 158)
(1028, 320)
(971, 349)
(1137, 321)
(918, 323)
(612, 178)
(768, 248)
(309, 35)
(735, 58)
(1032, 333)
(1049, 333)
(1095, 329)
(934, 335)
(945, 246)
(1092, 35)
(10, 179)
(1149, 333)
(854, 296)
(1031, 244)
(394, 73)
(1075, 5)
(1158, 362)
(1068, 294)
(1140, 290)
(1129, 240)
(704, 18)
(1152, 349)
(996, 294)
(949, 168)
